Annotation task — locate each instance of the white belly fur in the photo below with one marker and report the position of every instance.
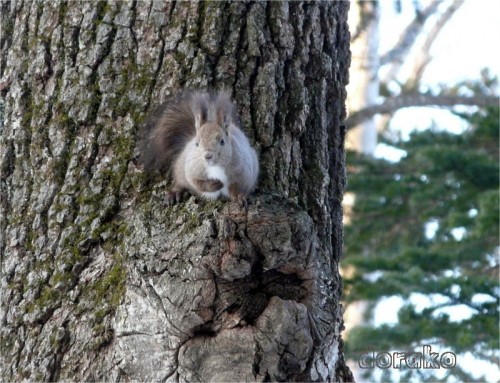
(217, 173)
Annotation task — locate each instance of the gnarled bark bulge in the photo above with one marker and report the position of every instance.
(100, 281)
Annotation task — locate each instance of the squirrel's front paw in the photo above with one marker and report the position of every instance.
(236, 196)
(240, 199)
(175, 196)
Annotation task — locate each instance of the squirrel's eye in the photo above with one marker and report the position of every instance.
(196, 143)
(222, 142)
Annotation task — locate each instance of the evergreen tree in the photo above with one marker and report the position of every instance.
(429, 224)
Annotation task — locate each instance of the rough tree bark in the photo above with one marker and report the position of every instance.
(100, 281)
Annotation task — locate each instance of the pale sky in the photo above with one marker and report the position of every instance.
(467, 44)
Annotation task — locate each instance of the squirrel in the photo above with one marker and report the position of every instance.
(197, 136)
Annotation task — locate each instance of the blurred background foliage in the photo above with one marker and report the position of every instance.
(421, 260)
(428, 224)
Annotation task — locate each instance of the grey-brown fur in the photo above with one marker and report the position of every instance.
(197, 137)
(168, 130)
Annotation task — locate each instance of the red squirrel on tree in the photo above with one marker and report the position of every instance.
(198, 137)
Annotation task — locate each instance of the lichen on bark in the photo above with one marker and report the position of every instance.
(100, 280)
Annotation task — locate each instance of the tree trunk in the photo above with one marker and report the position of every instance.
(364, 87)
(101, 281)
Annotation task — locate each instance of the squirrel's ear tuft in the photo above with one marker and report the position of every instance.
(200, 113)
(223, 120)
(199, 120)
(224, 110)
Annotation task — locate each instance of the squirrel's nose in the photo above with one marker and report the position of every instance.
(209, 156)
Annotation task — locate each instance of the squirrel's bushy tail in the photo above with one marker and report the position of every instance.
(168, 130)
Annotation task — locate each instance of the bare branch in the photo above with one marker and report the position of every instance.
(424, 58)
(409, 36)
(391, 105)
(367, 13)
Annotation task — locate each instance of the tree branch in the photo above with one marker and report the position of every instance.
(424, 58)
(391, 105)
(409, 36)
(367, 13)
